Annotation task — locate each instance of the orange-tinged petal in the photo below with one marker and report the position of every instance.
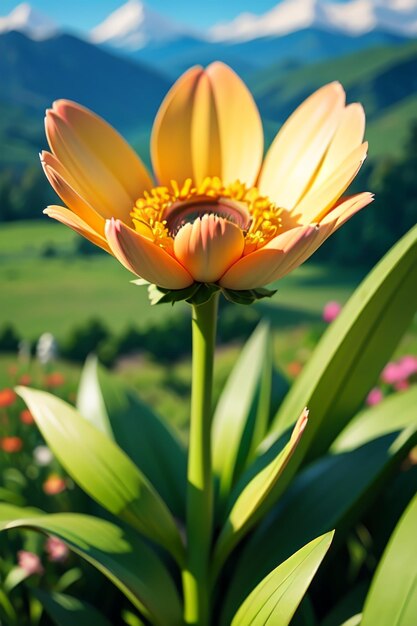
(144, 258)
(344, 210)
(67, 217)
(268, 263)
(208, 125)
(109, 174)
(240, 126)
(317, 203)
(59, 180)
(171, 150)
(297, 150)
(348, 136)
(208, 247)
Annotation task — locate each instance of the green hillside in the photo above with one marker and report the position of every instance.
(50, 287)
(384, 79)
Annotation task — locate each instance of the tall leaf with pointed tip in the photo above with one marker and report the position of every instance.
(277, 597)
(151, 444)
(255, 498)
(118, 553)
(102, 469)
(354, 349)
(392, 598)
(66, 610)
(315, 503)
(241, 417)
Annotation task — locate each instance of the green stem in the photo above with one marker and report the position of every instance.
(199, 479)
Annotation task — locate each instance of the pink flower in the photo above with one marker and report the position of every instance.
(391, 373)
(331, 311)
(374, 396)
(29, 562)
(56, 549)
(401, 385)
(408, 365)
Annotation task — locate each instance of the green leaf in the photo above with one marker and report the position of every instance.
(348, 607)
(255, 498)
(102, 469)
(315, 503)
(68, 578)
(65, 610)
(151, 443)
(240, 421)
(392, 598)
(118, 553)
(396, 412)
(277, 597)
(355, 620)
(90, 401)
(16, 576)
(248, 296)
(353, 351)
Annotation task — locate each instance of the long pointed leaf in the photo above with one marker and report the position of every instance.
(239, 423)
(315, 503)
(151, 443)
(102, 469)
(276, 598)
(118, 553)
(354, 349)
(392, 598)
(396, 412)
(66, 610)
(255, 498)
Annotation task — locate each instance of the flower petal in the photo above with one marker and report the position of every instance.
(60, 182)
(208, 247)
(67, 217)
(144, 258)
(208, 125)
(270, 262)
(317, 203)
(348, 136)
(297, 150)
(240, 126)
(110, 175)
(347, 208)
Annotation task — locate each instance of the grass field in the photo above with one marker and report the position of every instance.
(55, 293)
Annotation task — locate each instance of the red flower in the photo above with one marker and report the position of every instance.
(26, 417)
(25, 379)
(11, 444)
(294, 368)
(7, 397)
(56, 379)
(54, 484)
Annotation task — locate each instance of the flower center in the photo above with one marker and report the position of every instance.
(164, 210)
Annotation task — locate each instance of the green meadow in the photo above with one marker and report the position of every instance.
(48, 286)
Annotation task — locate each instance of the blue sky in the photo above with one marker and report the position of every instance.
(82, 15)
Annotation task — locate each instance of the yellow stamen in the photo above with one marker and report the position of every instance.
(155, 206)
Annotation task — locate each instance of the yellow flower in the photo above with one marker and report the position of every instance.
(217, 214)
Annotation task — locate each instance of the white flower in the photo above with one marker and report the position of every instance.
(42, 455)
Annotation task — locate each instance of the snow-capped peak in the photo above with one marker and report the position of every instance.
(28, 21)
(351, 17)
(134, 25)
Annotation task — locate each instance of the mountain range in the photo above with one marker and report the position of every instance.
(39, 63)
(293, 31)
